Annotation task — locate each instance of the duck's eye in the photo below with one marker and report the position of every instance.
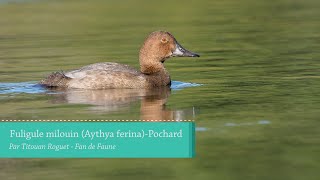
(164, 40)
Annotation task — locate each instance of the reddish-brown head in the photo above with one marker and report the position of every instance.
(158, 47)
(161, 45)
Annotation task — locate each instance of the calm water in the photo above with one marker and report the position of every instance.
(254, 92)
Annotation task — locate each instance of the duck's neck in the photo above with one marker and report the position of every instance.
(155, 71)
(150, 64)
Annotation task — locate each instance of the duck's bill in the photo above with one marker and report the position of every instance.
(182, 52)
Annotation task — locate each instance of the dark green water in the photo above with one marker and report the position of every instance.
(257, 110)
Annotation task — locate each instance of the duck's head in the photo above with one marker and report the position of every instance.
(159, 46)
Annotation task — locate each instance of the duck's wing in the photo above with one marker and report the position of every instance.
(97, 76)
(106, 75)
(106, 67)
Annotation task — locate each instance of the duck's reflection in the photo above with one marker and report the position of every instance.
(153, 102)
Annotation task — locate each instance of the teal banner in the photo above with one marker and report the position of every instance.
(97, 139)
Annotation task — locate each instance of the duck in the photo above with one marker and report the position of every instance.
(156, 49)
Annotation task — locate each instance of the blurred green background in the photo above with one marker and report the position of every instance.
(257, 111)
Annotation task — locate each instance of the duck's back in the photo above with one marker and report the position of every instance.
(98, 76)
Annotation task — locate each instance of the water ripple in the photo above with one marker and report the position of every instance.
(261, 122)
(178, 85)
(34, 88)
(21, 87)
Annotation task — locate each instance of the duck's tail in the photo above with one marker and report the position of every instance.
(56, 79)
